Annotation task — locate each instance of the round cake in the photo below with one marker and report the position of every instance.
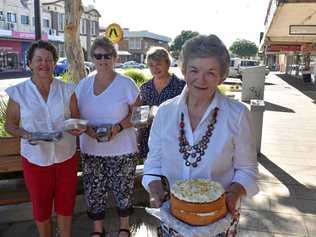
(198, 201)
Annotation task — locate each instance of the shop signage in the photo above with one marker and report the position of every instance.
(283, 48)
(7, 33)
(308, 48)
(27, 36)
(302, 30)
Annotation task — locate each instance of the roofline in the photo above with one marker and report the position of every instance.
(57, 1)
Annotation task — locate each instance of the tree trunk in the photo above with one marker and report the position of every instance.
(73, 10)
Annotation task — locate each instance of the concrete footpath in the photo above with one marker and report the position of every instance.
(286, 203)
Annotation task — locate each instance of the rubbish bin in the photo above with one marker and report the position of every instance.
(253, 83)
(257, 108)
(307, 76)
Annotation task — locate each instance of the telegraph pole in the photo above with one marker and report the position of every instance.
(37, 16)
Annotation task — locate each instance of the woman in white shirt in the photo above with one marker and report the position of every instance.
(42, 104)
(107, 98)
(201, 133)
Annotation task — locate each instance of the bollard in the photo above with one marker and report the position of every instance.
(253, 83)
(257, 108)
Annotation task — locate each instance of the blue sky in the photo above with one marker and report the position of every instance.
(229, 19)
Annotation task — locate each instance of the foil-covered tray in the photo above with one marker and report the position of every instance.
(142, 116)
(37, 137)
(103, 132)
(75, 124)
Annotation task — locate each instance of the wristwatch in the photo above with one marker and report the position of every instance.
(27, 136)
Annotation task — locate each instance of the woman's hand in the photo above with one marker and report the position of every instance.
(91, 132)
(76, 132)
(233, 194)
(231, 203)
(116, 129)
(156, 194)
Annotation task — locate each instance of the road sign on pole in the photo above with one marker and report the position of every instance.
(114, 32)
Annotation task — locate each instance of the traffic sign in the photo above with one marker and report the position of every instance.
(114, 32)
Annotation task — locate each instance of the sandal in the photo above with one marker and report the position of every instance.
(99, 234)
(125, 230)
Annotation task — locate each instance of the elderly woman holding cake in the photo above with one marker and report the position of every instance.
(201, 133)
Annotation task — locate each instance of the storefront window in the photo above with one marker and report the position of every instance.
(11, 17)
(45, 23)
(8, 61)
(25, 20)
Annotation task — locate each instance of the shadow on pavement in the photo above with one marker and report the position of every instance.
(307, 88)
(274, 107)
(296, 189)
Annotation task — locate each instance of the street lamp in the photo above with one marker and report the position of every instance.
(37, 16)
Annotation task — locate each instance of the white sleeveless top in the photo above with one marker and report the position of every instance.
(109, 107)
(36, 115)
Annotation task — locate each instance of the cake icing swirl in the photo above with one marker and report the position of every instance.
(197, 190)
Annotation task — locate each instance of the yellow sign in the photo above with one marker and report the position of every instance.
(114, 32)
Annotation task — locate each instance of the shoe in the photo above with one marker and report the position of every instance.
(99, 234)
(125, 230)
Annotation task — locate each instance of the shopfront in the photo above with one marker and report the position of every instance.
(10, 55)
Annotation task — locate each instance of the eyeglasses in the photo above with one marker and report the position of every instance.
(99, 56)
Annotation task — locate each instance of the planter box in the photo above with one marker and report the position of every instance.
(10, 154)
(9, 146)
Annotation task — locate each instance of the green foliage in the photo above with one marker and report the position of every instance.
(66, 78)
(3, 108)
(176, 45)
(244, 48)
(222, 89)
(136, 75)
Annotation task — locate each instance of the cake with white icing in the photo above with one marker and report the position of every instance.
(198, 201)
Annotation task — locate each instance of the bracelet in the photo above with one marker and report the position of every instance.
(120, 126)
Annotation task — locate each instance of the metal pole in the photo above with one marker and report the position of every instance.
(37, 16)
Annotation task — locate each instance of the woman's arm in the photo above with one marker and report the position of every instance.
(74, 113)
(12, 121)
(244, 163)
(126, 122)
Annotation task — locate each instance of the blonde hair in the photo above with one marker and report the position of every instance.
(157, 53)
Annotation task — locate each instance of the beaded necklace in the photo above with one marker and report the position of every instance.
(197, 151)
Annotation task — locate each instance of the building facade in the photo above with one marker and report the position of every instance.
(17, 27)
(135, 44)
(289, 40)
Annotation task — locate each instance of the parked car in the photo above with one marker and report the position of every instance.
(233, 67)
(133, 64)
(90, 67)
(62, 67)
(246, 63)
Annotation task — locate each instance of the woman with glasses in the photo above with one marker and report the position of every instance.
(163, 86)
(107, 98)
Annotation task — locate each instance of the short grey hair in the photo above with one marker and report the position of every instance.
(203, 46)
(104, 43)
(157, 53)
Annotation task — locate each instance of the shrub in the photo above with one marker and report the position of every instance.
(136, 75)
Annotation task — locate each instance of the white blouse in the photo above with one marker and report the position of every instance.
(109, 107)
(230, 156)
(36, 115)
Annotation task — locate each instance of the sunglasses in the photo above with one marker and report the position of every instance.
(99, 56)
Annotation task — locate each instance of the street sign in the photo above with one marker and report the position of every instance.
(114, 32)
